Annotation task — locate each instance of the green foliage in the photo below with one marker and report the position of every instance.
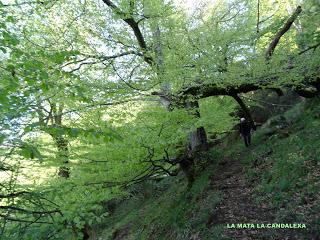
(172, 211)
(76, 92)
(284, 167)
(30, 151)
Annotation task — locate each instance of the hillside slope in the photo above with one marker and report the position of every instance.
(276, 180)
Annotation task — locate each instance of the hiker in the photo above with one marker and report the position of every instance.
(245, 131)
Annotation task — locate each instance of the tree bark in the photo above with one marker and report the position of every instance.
(63, 155)
(197, 141)
(60, 141)
(128, 19)
(245, 110)
(187, 166)
(197, 138)
(281, 32)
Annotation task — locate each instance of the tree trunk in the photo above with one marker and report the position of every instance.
(197, 141)
(61, 142)
(187, 166)
(197, 138)
(245, 110)
(85, 231)
(63, 155)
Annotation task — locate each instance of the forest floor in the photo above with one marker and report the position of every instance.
(275, 180)
(237, 204)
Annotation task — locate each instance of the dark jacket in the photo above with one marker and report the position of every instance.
(245, 128)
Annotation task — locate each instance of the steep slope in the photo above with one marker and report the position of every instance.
(237, 205)
(276, 180)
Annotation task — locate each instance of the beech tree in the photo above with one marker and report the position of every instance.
(108, 94)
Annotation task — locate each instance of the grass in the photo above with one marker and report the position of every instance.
(282, 166)
(285, 167)
(172, 212)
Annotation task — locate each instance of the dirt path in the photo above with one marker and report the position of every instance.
(237, 205)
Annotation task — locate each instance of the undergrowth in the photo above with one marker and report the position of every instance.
(282, 166)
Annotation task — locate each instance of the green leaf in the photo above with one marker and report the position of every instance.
(2, 138)
(30, 151)
(10, 39)
(3, 50)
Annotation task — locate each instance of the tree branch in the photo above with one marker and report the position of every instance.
(245, 109)
(128, 18)
(20, 4)
(281, 32)
(11, 195)
(310, 48)
(29, 211)
(216, 89)
(22, 220)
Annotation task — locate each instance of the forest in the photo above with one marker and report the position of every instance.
(129, 119)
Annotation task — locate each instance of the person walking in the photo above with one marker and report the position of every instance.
(245, 131)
